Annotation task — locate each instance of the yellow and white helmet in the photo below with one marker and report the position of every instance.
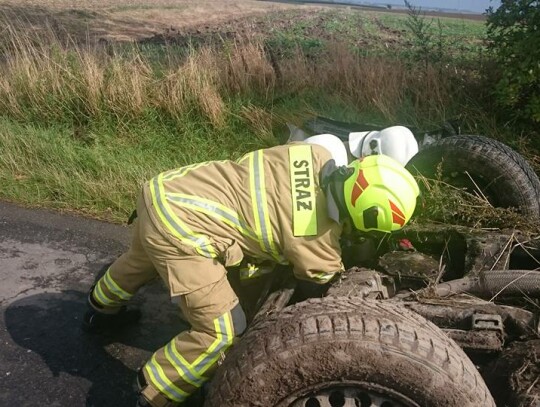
(380, 194)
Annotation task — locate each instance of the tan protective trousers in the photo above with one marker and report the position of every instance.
(184, 364)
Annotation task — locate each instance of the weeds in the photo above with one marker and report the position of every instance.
(101, 118)
(447, 204)
(54, 83)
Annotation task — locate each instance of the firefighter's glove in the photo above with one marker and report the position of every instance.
(250, 272)
(97, 322)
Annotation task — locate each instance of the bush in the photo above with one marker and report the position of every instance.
(514, 35)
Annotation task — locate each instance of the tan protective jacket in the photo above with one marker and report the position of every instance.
(267, 206)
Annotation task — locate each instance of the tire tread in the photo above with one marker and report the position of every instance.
(517, 178)
(330, 316)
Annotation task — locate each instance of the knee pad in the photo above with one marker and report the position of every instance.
(238, 317)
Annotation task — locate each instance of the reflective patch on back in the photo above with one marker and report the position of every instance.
(302, 191)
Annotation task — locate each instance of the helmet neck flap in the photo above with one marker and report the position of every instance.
(332, 184)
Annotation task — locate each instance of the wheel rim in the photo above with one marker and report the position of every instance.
(349, 395)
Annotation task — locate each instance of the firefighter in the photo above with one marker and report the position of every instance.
(287, 204)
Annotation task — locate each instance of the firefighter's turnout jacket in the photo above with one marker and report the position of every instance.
(196, 220)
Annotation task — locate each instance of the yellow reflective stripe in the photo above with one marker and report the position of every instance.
(302, 191)
(101, 297)
(254, 204)
(211, 348)
(192, 371)
(250, 271)
(174, 224)
(226, 341)
(236, 263)
(253, 271)
(191, 374)
(230, 330)
(244, 158)
(214, 209)
(115, 288)
(180, 172)
(257, 184)
(323, 277)
(224, 338)
(182, 367)
(162, 383)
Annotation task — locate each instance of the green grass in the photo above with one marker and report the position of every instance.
(101, 175)
(374, 33)
(82, 128)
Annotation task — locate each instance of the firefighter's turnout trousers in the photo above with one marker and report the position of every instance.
(193, 222)
(184, 364)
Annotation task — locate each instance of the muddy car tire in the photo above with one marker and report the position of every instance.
(346, 351)
(504, 176)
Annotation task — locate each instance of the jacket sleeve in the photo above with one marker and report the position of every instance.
(316, 259)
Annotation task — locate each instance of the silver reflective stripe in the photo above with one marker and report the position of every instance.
(215, 210)
(180, 172)
(169, 389)
(115, 288)
(258, 195)
(260, 206)
(102, 298)
(187, 375)
(224, 340)
(171, 222)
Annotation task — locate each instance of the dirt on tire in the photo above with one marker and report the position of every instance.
(514, 378)
(346, 341)
(503, 175)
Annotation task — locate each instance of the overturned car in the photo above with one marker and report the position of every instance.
(433, 315)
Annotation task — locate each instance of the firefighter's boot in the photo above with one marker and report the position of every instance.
(96, 320)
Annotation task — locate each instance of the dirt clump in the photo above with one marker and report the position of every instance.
(514, 378)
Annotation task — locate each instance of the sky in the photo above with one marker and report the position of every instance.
(478, 6)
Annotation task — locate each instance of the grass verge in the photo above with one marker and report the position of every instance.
(82, 126)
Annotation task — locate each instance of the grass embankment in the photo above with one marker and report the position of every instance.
(82, 126)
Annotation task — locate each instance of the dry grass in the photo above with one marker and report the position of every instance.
(129, 20)
(373, 82)
(447, 204)
(49, 81)
(192, 84)
(261, 124)
(54, 73)
(248, 69)
(236, 93)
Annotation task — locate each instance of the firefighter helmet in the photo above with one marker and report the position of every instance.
(380, 194)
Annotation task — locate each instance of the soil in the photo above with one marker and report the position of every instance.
(177, 20)
(514, 378)
(125, 20)
(247, 27)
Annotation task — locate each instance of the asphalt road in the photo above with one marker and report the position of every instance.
(48, 261)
